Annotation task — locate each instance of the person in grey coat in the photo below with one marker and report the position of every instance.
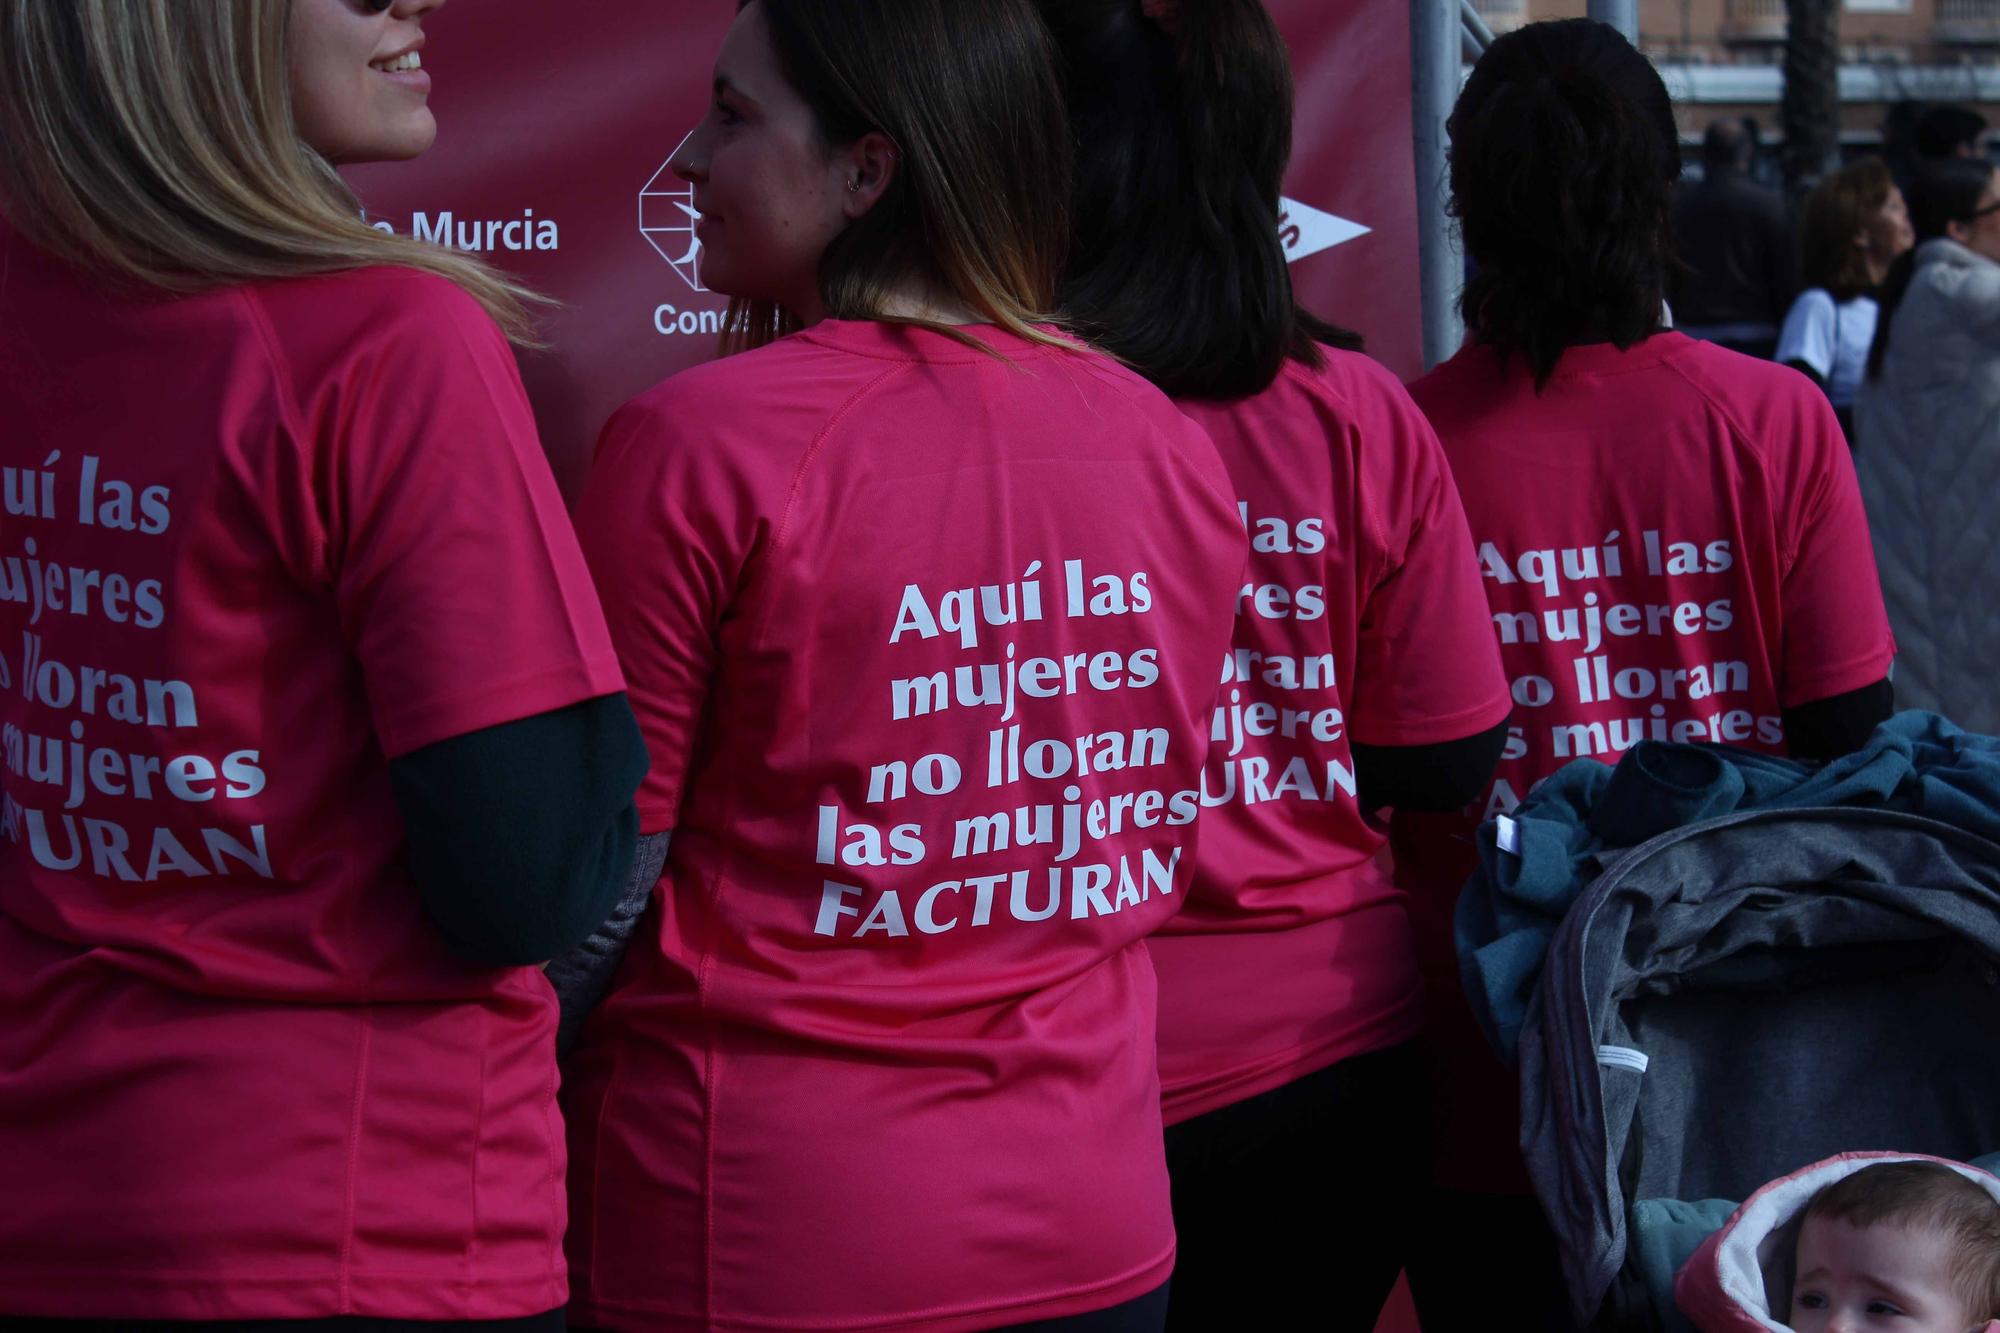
(1929, 449)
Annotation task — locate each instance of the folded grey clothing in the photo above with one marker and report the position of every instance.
(1534, 864)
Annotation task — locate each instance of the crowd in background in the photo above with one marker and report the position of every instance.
(1881, 284)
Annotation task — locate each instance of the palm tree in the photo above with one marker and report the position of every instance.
(1810, 109)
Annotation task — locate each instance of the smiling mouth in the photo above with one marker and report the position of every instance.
(401, 64)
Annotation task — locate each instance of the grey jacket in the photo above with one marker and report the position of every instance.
(1734, 999)
(1928, 458)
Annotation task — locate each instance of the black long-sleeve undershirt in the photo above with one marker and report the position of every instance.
(1444, 776)
(1448, 775)
(1828, 728)
(521, 835)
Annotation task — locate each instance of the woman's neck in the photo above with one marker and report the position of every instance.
(909, 302)
(928, 308)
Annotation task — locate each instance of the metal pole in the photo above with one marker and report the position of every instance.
(1475, 27)
(1435, 34)
(1620, 14)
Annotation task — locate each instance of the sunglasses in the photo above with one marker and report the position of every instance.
(1979, 213)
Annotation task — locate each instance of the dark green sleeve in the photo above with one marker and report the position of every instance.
(521, 834)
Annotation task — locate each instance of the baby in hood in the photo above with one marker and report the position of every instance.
(1912, 1247)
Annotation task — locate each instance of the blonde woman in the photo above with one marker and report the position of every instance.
(313, 736)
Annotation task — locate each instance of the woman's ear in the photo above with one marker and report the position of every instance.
(872, 164)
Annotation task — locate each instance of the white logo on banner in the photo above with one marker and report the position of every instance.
(667, 218)
(1306, 230)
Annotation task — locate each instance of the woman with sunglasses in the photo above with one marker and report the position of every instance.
(1930, 414)
(314, 737)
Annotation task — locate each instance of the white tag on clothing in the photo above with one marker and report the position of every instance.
(1508, 834)
(1623, 1057)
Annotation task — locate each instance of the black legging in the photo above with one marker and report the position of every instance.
(1294, 1206)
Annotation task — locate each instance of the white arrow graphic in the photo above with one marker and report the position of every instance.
(1306, 230)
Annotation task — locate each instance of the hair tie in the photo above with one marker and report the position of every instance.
(1166, 13)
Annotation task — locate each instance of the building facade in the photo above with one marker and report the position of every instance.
(1722, 57)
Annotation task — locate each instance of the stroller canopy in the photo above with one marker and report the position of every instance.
(1733, 999)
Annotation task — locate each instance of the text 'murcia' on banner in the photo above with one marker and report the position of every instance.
(562, 181)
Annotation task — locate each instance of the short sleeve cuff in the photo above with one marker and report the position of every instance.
(1434, 729)
(408, 727)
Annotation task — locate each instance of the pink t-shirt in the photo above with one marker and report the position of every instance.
(254, 543)
(1673, 548)
(1360, 618)
(1672, 543)
(924, 644)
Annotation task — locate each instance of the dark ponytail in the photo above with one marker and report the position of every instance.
(1564, 156)
(1944, 191)
(1184, 129)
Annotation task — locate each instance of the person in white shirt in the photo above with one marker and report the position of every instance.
(1854, 227)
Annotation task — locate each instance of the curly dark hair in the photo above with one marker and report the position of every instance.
(1564, 157)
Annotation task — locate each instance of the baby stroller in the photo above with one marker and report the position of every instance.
(1760, 966)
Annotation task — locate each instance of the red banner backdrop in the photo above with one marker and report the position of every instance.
(556, 122)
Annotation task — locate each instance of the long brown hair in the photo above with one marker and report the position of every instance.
(1183, 129)
(978, 208)
(1838, 207)
(153, 141)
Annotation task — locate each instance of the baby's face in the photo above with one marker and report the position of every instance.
(1891, 1278)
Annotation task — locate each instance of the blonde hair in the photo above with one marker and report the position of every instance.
(153, 141)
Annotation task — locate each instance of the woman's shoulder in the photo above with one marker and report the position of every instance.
(1742, 381)
(379, 298)
(1813, 303)
(1355, 373)
(1347, 383)
(795, 376)
(327, 325)
(1954, 274)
